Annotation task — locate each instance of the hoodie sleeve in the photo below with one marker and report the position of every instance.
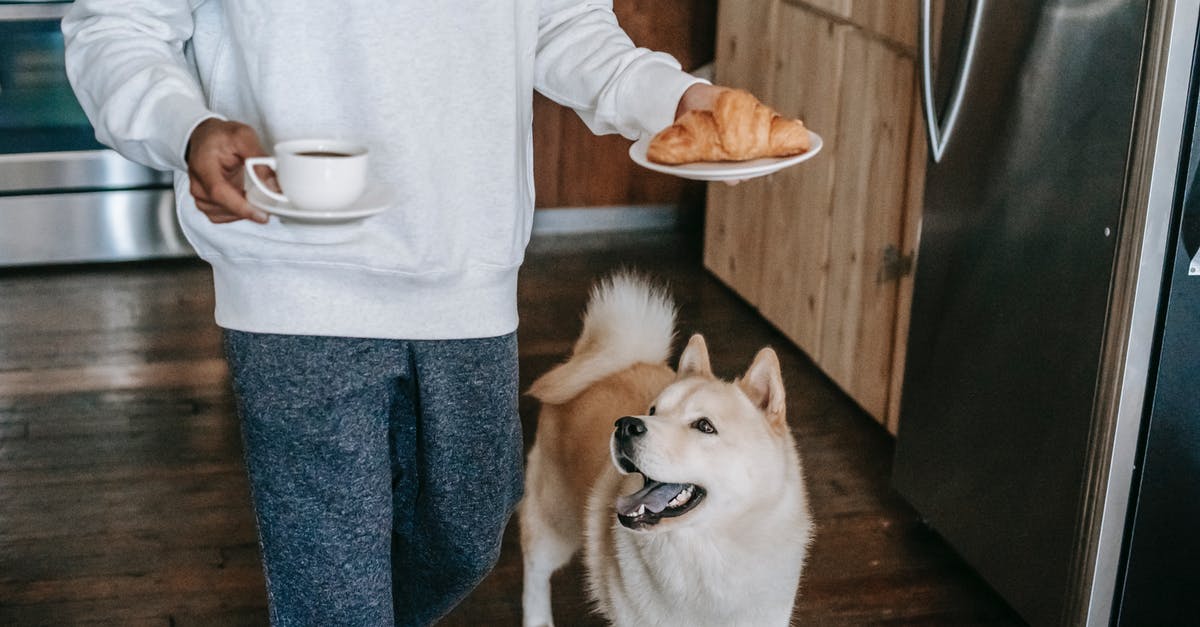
(586, 61)
(125, 60)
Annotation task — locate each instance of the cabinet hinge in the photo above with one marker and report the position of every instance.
(894, 265)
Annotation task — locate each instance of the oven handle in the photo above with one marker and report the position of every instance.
(33, 11)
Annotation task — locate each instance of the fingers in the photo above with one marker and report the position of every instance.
(216, 152)
(217, 197)
(228, 205)
(266, 175)
(215, 213)
(699, 97)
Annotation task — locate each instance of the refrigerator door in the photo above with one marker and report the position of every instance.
(1161, 577)
(1011, 287)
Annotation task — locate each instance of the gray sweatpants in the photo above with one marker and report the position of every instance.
(383, 472)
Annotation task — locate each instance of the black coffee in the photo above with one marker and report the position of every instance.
(322, 153)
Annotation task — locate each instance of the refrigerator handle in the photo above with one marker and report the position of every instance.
(939, 134)
(1189, 227)
(1189, 219)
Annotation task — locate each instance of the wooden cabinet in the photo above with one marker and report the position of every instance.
(823, 249)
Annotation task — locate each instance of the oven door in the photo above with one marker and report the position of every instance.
(63, 196)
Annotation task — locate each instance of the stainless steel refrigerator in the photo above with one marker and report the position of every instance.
(1159, 577)
(1049, 244)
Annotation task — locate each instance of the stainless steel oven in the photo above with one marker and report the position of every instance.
(64, 198)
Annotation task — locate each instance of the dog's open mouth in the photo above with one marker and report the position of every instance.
(655, 501)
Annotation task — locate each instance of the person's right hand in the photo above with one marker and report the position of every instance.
(215, 154)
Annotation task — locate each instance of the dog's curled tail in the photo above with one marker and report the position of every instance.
(628, 321)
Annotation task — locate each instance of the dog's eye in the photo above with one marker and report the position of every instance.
(651, 413)
(704, 426)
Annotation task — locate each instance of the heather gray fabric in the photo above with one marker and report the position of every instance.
(383, 472)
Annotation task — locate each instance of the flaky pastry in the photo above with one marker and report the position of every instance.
(738, 128)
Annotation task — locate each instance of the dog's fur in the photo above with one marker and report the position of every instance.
(732, 554)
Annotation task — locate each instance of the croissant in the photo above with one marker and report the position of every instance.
(738, 128)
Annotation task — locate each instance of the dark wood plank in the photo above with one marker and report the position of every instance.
(123, 500)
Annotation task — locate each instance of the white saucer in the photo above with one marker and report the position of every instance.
(723, 170)
(373, 201)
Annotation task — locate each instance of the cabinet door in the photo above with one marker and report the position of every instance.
(736, 216)
(819, 248)
(895, 20)
(858, 323)
(809, 62)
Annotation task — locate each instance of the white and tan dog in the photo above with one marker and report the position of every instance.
(692, 511)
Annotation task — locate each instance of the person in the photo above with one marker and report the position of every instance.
(375, 373)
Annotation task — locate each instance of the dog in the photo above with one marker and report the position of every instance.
(686, 492)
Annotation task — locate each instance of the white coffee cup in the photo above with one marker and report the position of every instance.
(314, 174)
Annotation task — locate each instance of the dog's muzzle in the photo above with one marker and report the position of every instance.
(656, 500)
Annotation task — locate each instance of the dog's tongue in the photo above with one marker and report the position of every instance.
(654, 496)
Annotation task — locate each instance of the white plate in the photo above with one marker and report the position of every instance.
(375, 200)
(723, 170)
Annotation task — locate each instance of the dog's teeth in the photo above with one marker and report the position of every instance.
(684, 496)
(640, 510)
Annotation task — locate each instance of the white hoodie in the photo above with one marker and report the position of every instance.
(441, 91)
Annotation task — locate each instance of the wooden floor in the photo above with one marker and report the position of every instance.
(123, 499)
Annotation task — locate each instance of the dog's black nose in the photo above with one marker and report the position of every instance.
(629, 427)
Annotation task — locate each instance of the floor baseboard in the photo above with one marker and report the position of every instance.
(566, 220)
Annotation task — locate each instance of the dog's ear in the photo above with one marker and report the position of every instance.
(763, 384)
(694, 360)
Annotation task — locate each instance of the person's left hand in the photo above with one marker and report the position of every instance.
(700, 97)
